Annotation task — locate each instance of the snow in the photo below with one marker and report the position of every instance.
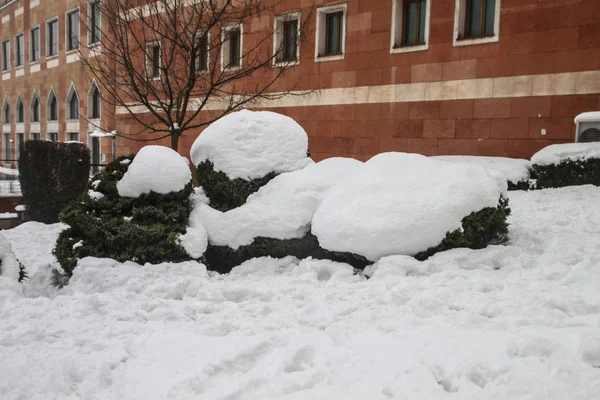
(401, 203)
(507, 322)
(591, 116)
(95, 195)
(9, 171)
(9, 266)
(281, 209)
(155, 169)
(556, 153)
(514, 170)
(21, 208)
(8, 215)
(195, 239)
(251, 144)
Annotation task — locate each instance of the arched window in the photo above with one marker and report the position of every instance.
(72, 104)
(20, 110)
(6, 112)
(35, 108)
(94, 102)
(52, 107)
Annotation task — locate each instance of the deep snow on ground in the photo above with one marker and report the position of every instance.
(520, 321)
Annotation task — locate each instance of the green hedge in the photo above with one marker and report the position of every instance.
(568, 173)
(224, 193)
(479, 229)
(52, 175)
(142, 229)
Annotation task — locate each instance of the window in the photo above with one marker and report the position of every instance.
(52, 37)
(53, 136)
(153, 62)
(7, 152)
(73, 136)
(476, 21)
(35, 109)
(34, 42)
(20, 111)
(6, 55)
(232, 47)
(72, 30)
(20, 142)
(72, 104)
(35, 136)
(202, 52)
(6, 113)
(331, 32)
(52, 107)
(19, 50)
(95, 18)
(94, 102)
(286, 48)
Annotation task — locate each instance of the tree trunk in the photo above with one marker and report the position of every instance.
(175, 140)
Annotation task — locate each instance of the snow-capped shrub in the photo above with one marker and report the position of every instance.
(143, 229)
(244, 150)
(569, 164)
(9, 265)
(407, 204)
(52, 175)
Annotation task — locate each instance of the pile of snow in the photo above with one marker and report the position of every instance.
(402, 203)
(514, 170)
(195, 239)
(557, 153)
(251, 144)
(590, 116)
(9, 266)
(282, 209)
(155, 169)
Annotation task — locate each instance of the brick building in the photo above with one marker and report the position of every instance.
(484, 77)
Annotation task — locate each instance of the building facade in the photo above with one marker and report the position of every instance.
(481, 77)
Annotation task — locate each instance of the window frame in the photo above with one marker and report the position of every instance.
(19, 50)
(6, 55)
(51, 96)
(70, 138)
(5, 114)
(92, 39)
(226, 47)
(19, 110)
(198, 59)
(68, 27)
(94, 89)
(32, 56)
(279, 37)
(34, 136)
(49, 43)
(398, 28)
(149, 61)
(321, 32)
(70, 96)
(32, 110)
(49, 136)
(460, 24)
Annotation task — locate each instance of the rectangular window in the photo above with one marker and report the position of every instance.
(331, 32)
(19, 144)
(7, 152)
(6, 55)
(414, 22)
(480, 16)
(333, 27)
(19, 50)
(53, 136)
(153, 60)
(34, 42)
(73, 30)
(73, 136)
(234, 47)
(290, 40)
(52, 38)
(35, 136)
(95, 17)
(202, 50)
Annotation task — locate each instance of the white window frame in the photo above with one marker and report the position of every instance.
(6, 56)
(67, 14)
(19, 50)
(90, 35)
(91, 103)
(39, 38)
(225, 47)
(460, 7)
(49, 38)
(398, 27)
(198, 36)
(147, 60)
(321, 34)
(278, 36)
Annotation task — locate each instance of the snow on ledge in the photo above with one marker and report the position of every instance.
(591, 116)
(556, 153)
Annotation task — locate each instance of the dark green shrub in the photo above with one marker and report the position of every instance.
(568, 173)
(222, 258)
(142, 229)
(52, 175)
(224, 193)
(479, 229)
(521, 185)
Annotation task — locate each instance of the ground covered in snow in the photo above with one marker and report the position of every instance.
(520, 321)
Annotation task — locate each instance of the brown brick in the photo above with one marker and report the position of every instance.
(408, 129)
(455, 70)
(533, 64)
(427, 72)
(395, 111)
(364, 112)
(330, 128)
(422, 146)
(366, 145)
(342, 145)
(369, 77)
(526, 148)
(490, 147)
(577, 60)
(556, 128)
(589, 36)
(456, 109)
(530, 106)
(342, 112)
(571, 106)
(494, 67)
(509, 128)
(440, 52)
(320, 144)
(557, 39)
(439, 128)
(472, 128)
(454, 147)
(424, 110)
(491, 108)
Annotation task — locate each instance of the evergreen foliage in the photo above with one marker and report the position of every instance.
(568, 173)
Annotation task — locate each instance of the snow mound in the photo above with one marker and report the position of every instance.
(557, 153)
(282, 209)
(251, 144)
(402, 203)
(9, 266)
(155, 169)
(195, 239)
(515, 170)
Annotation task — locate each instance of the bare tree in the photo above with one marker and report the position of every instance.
(162, 62)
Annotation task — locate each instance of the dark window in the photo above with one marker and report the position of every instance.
(52, 38)
(19, 50)
(53, 136)
(6, 116)
(35, 136)
(95, 16)
(334, 32)
(73, 30)
(73, 106)
(290, 40)
(95, 155)
(479, 18)
(95, 99)
(5, 55)
(73, 136)
(234, 47)
(35, 110)
(19, 144)
(52, 108)
(202, 58)
(153, 60)
(35, 44)
(7, 151)
(413, 32)
(20, 111)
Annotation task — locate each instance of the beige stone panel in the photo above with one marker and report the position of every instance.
(587, 82)
(475, 88)
(441, 91)
(514, 86)
(410, 92)
(564, 84)
(381, 94)
(543, 85)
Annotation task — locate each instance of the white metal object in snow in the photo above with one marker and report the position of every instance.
(587, 127)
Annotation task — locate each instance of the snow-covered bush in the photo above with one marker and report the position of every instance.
(144, 227)
(407, 204)
(52, 175)
(9, 265)
(243, 151)
(569, 164)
